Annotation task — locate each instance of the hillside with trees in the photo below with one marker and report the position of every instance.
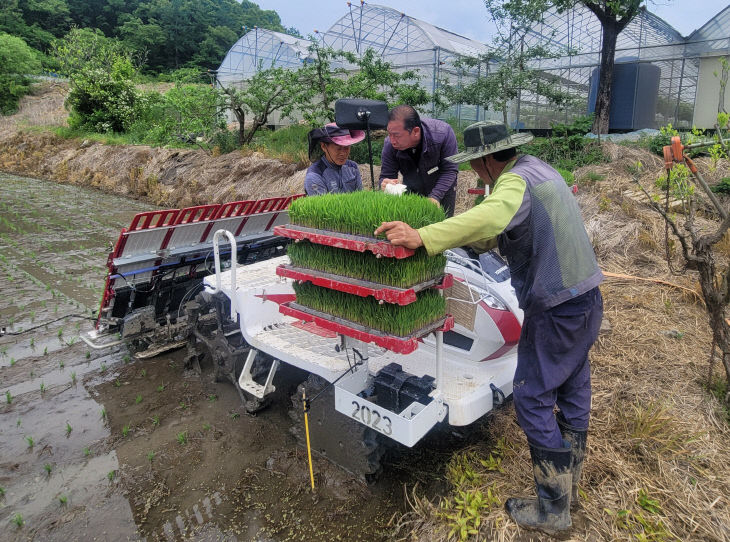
(168, 34)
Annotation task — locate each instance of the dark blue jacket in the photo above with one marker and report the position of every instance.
(433, 176)
(324, 177)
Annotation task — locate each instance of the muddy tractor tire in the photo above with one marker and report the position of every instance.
(334, 436)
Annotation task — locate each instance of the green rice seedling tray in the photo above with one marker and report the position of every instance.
(363, 288)
(367, 266)
(358, 243)
(361, 212)
(399, 345)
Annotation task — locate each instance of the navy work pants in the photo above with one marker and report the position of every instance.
(553, 368)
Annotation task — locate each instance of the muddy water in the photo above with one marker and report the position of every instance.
(98, 445)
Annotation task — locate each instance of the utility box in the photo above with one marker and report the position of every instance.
(707, 101)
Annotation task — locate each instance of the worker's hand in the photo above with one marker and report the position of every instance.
(400, 233)
(435, 202)
(389, 181)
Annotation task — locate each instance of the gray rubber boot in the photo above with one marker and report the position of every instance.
(577, 439)
(550, 511)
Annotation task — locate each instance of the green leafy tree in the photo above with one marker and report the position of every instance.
(102, 95)
(17, 62)
(269, 91)
(38, 22)
(326, 78)
(614, 16)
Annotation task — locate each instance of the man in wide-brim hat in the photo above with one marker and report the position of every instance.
(533, 217)
(333, 171)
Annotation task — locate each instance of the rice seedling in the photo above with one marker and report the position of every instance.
(388, 318)
(88, 354)
(18, 423)
(150, 456)
(206, 427)
(235, 415)
(68, 429)
(125, 430)
(117, 384)
(361, 213)
(18, 520)
(87, 452)
(138, 399)
(183, 405)
(12, 362)
(2, 492)
(103, 368)
(111, 474)
(126, 358)
(32, 342)
(48, 468)
(30, 441)
(73, 378)
(212, 398)
(182, 437)
(43, 387)
(63, 500)
(8, 397)
(103, 413)
(161, 387)
(45, 351)
(155, 420)
(60, 333)
(366, 266)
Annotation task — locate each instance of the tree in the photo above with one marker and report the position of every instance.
(614, 16)
(102, 95)
(698, 242)
(504, 77)
(266, 92)
(17, 61)
(329, 75)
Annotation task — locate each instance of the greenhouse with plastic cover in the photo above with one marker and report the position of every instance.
(660, 76)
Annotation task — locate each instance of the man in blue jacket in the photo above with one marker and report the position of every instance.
(417, 148)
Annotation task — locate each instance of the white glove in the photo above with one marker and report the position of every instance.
(395, 189)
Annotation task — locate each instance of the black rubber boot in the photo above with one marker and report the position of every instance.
(550, 511)
(577, 439)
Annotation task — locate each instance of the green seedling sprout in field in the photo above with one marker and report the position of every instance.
(182, 437)
(125, 430)
(2, 492)
(30, 441)
(48, 468)
(144, 373)
(18, 520)
(150, 456)
(12, 362)
(117, 384)
(63, 500)
(111, 474)
(43, 388)
(8, 397)
(45, 351)
(73, 378)
(155, 420)
(87, 452)
(161, 387)
(103, 413)
(103, 368)
(138, 399)
(68, 429)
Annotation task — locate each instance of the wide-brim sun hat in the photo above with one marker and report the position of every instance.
(331, 133)
(487, 137)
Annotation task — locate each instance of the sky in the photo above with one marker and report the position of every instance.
(467, 17)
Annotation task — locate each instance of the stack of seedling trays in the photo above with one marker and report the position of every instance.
(348, 281)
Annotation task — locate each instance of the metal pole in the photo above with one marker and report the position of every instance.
(439, 361)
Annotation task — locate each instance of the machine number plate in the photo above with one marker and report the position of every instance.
(372, 418)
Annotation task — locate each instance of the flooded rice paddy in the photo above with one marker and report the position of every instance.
(96, 445)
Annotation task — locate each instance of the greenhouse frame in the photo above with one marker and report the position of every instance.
(660, 77)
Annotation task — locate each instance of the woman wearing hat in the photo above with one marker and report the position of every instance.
(533, 217)
(333, 172)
